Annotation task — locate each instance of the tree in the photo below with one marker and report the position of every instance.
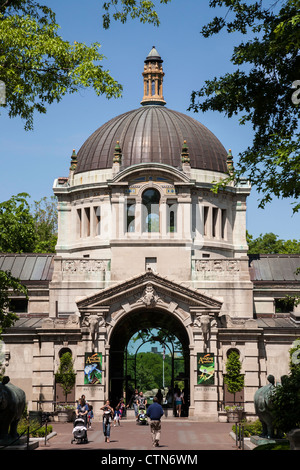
(65, 375)
(233, 378)
(28, 229)
(38, 67)
(8, 285)
(270, 244)
(286, 398)
(135, 9)
(17, 228)
(262, 93)
(45, 221)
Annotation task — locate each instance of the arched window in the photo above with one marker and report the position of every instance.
(150, 210)
(153, 87)
(63, 351)
(172, 217)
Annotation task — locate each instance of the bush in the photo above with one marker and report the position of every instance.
(35, 429)
(233, 377)
(253, 428)
(286, 402)
(283, 446)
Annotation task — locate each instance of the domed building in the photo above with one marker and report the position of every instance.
(144, 244)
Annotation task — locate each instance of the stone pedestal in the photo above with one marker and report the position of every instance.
(294, 439)
(20, 444)
(259, 441)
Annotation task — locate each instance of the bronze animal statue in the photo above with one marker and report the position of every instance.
(12, 405)
(263, 407)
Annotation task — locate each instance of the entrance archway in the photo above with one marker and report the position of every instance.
(130, 324)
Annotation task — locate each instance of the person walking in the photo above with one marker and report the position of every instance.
(108, 413)
(119, 411)
(155, 412)
(133, 401)
(179, 401)
(159, 396)
(90, 416)
(141, 404)
(82, 410)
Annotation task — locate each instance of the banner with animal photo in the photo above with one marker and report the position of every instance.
(93, 368)
(205, 368)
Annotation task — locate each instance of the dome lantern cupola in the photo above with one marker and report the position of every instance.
(153, 133)
(153, 79)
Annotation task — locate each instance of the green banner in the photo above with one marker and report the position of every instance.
(93, 368)
(205, 368)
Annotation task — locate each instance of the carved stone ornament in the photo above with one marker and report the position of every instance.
(93, 322)
(149, 298)
(205, 322)
(73, 320)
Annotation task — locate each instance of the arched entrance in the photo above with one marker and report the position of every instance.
(144, 302)
(145, 319)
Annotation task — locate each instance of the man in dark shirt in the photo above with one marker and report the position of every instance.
(155, 413)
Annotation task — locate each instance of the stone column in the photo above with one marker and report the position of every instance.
(193, 380)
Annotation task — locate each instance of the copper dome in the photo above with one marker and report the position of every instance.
(152, 133)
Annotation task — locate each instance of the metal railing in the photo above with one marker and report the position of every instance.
(27, 432)
(239, 435)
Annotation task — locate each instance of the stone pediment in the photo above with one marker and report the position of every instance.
(149, 290)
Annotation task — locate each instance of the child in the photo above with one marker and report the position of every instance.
(119, 411)
(90, 416)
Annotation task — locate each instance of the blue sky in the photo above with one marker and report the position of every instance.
(30, 161)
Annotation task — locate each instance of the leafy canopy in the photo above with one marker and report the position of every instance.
(135, 9)
(8, 284)
(65, 375)
(269, 243)
(286, 398)
(233, 377)
(17, 230)
(27, 229)
(38, 67)
(260, 91)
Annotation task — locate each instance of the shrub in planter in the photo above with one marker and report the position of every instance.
(253, 428)
(65, 375)
(35, 429)
(233, 377)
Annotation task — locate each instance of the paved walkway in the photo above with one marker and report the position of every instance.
(178, 434)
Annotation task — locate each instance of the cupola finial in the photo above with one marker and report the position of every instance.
(230, 162)
(153, 79)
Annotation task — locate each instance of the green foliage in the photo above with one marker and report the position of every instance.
(274, 446)
(38, 67)
(295, 355)
(270, 244)
(122, 9)
(45, 221)
(286, 396)
(259, 91)
(27, 229)
(65, 375)
(233, 378)
(17, 229)
(147, 367)
(253, 428)
(8, 284)
(286, 402)
(148, 370)
(35, 429)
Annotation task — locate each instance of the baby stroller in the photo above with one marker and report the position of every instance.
(142, 417)
(79, 431)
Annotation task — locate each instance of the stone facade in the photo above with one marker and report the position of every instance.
(122, 264)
